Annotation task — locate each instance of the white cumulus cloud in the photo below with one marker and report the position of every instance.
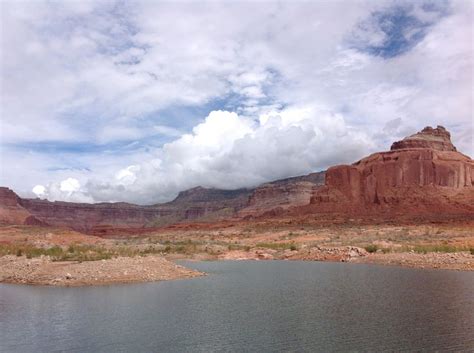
(39, 191)
(230, 151)
(138, 100)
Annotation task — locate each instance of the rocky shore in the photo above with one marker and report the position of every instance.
(44, 271)
(55, 256)
(463, 261)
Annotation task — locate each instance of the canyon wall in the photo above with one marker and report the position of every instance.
(282, 194)
(11, 212)
(103, 218)
(197, 204)
(421, 173)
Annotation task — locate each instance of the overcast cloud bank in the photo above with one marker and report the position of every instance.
(137, 101)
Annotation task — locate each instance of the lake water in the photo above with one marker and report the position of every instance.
(249, 306)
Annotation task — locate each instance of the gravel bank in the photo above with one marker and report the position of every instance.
(43, 271)
(448, 261)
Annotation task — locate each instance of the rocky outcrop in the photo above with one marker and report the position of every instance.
(422, 173)
(200, 194)
(437, 139)
(209, 204)
(282, 194)
(11, 212)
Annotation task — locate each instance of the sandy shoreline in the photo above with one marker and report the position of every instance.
(461, 261)
(121, 270)
(59, 257)
(44, 271)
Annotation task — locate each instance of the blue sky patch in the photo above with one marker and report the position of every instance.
(396, 30)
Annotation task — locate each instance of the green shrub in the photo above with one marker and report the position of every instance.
(231, 247)
(424, 249)
(371, 248)
(277, 246)
(268, 245)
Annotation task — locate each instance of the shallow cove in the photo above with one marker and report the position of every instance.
(249, 306)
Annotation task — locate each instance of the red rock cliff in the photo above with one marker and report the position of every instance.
(437, 139)
(282, 194)
(421, 173)
(11, 210)
(107, 218)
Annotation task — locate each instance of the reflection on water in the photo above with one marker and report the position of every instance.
(249, 306)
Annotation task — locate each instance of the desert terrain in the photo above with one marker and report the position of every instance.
(410, 206)
(55, 256)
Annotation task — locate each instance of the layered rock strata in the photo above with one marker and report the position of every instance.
(421, 173)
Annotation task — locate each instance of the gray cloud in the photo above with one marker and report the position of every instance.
(102, 73)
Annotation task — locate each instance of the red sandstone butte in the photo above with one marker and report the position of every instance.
(422, 173)
(437, 139)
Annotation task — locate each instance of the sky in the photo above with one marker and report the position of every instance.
(136, 101)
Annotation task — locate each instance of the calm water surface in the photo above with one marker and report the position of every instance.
(248, 306)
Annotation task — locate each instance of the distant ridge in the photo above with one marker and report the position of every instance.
(423, 174)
